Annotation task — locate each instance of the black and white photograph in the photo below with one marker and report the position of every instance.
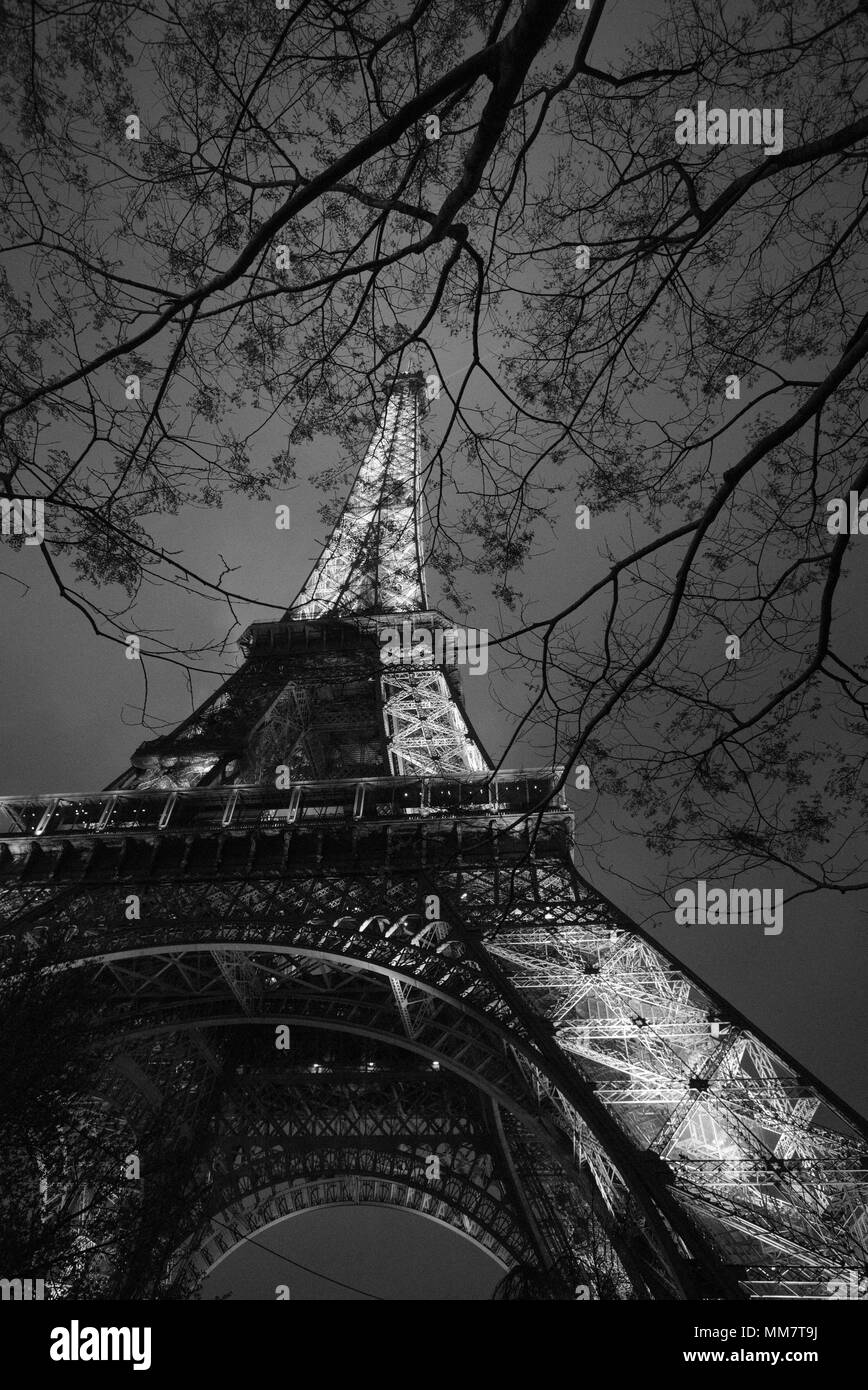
(433, 760)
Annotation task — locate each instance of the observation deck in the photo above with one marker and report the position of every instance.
(230, 830)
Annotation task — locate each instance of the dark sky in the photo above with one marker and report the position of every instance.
(393, 1254)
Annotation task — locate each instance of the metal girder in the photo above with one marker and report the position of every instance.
(703, 1093)
(426, 730)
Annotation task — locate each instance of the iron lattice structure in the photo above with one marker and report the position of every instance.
(477, 1035)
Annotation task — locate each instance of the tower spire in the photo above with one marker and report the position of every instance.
(386, 699)
(372, 562)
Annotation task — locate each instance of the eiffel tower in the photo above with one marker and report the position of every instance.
(329, 955)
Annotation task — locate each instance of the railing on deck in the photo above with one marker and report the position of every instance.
(125, 812)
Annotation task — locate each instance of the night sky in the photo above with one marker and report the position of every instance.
(382, 1252)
